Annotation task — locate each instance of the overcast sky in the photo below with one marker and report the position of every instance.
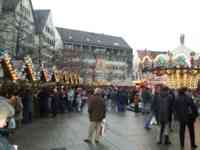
(151, 24)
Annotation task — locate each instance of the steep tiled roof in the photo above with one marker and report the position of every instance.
(41, 17)
(69, 35)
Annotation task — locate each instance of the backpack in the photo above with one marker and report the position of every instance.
(192, 110)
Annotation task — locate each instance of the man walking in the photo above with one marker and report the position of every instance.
(186, 112)
(164, 108)
(154, 108)
(97, 112)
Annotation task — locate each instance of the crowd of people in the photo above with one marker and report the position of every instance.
(168, 106)
(48, 101)
(160, 103)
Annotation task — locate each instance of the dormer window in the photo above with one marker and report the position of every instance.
(87, 39)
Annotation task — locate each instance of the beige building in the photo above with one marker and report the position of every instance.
(100, 57)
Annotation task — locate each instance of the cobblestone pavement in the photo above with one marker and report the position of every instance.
(124, 132)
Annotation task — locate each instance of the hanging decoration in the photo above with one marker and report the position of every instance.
(30, 74)
(44, 75)
(8, 68)
(55, 75)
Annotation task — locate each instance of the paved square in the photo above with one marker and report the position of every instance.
(124, 131)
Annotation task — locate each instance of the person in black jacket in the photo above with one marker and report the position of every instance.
(55, 102)
(154, 107)
(186, 112)
(27, 101)
(164, 112)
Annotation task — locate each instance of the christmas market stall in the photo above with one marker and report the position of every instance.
(176, 69)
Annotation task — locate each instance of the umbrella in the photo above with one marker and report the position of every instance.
(6, 110)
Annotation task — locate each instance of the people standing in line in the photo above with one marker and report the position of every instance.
(164, 108)
(186, 112)
(97, 112)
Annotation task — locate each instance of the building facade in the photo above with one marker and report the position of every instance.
(48, 39)
(17, 27)
(100, 57)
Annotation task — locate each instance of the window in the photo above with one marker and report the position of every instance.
(77, 46)
(21, 7)
(68, 46)
(49, 31)
(87, 39)
(25, 11)
(116, 44)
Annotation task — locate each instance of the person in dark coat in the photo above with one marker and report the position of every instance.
(186, 112)
(155, 103)
(121, 100)
(164, 105)
(43, 97)
(154, 108)
(97, 112)
(146, 98)
(55, 102)
(62, 100)
(27, 101)
(172, 94)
